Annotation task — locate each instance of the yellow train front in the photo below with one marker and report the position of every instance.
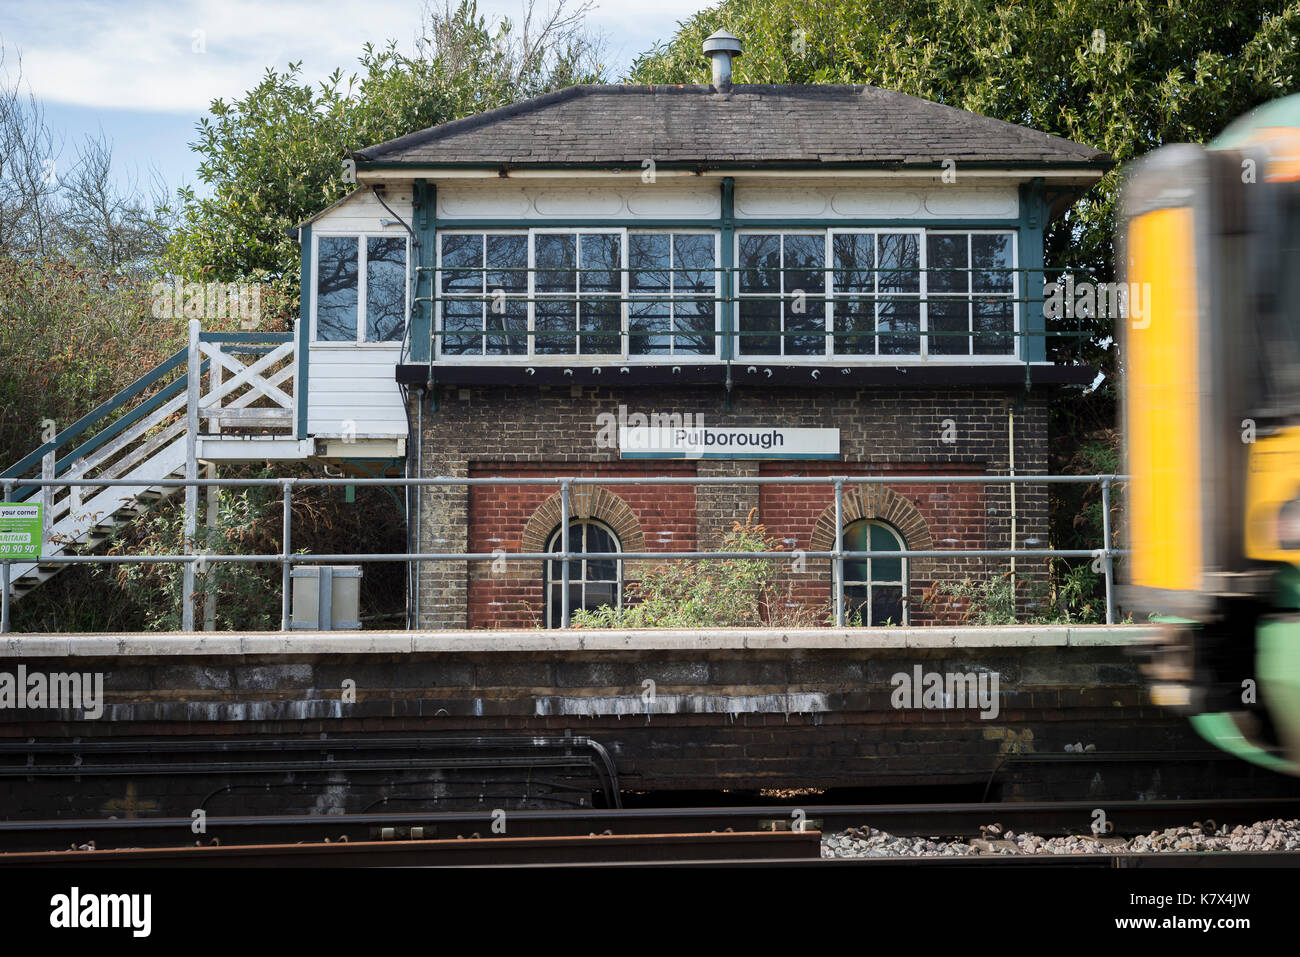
(1209, 246)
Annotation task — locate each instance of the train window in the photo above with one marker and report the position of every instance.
(593, 582)
(1274, 320)
(875, 588)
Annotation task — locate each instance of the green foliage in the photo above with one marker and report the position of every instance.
(1124, 76)
(275, 157)
(72, 335)
(1073, 595)
(247, 596)
(710, 593)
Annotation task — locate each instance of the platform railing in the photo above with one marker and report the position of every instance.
(286, 558)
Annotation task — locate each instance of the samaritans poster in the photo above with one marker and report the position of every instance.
(20, 531)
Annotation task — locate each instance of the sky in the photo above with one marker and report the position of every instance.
(142, 72)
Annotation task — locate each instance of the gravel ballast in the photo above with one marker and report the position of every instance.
(1274, 835)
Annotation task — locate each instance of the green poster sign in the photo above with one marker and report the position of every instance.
(20, 531)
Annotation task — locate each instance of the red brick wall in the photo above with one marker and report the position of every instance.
(955, 515)
(513, 597)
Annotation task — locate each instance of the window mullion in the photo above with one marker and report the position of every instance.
(363, 270)
(532, 295)
(875, 291)
(483, 295)
(828, 342)
(623, 286)
(672, 294)
(923, 291)
(780, 345)
(970, 294)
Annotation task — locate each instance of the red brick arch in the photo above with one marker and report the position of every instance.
(590, 502)
(883, 504)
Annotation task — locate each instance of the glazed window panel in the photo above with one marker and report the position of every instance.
(483, 288)
(593, 582)
(971, 294)
(385, 288)
(337, 271)
(781, 286)
(876, 293)
(360, 286)
(993, 284)
(875, 588)
(922, 293)
(672, 287)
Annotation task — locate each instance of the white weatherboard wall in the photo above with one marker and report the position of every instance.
(664, 199)
(755, 201)
(351, 389)
(669, 199)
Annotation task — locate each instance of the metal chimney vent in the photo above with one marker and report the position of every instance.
(722, 48)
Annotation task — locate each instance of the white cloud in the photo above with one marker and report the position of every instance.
(139, 54)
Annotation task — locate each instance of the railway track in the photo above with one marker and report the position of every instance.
(784, 848)
(499, 851)
(462, 828)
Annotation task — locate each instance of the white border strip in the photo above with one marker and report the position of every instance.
(234, 644)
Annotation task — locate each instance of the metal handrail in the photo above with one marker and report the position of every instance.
(719, 276)
(564, 556)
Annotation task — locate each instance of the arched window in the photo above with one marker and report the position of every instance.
(593, 582)
(876, 588)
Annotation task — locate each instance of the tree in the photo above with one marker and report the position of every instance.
(28, 158)
(1125, 76)
(275, 157)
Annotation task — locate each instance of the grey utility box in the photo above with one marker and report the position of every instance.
(326, 597)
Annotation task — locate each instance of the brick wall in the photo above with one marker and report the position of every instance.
(738, 718)
(510, 594)
(495, 431)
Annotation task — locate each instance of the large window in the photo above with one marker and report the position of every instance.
(781, 279)
(875, 588)
(478, 300)
(971, 293)
(593, 582)
(578, 279)
(672, 285)
(579, 292)
(348, 310)
(851, 293)
(876, 292)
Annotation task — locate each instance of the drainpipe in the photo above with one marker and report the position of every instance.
(1011, 445)
(419, 498)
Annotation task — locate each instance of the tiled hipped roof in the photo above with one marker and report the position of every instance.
(749, 125)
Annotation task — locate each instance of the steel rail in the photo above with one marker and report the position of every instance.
(923, 820)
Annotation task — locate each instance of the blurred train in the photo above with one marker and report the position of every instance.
(1211, 395)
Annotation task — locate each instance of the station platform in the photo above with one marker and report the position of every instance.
(454, 719)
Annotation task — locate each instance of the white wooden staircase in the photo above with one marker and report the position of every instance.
(228, 397)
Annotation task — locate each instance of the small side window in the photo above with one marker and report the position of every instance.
(385, 288)
(336, 289)
(345, 310)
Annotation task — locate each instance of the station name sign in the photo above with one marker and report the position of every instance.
(707, 442)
